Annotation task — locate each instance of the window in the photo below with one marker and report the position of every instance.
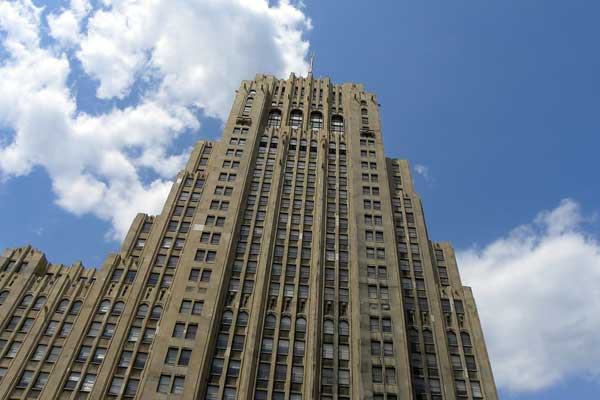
(296, 119)
(461, 387)
(65, 329)
(164, 384)
(13, 350)
(88, 382)
(130, 277)
(62, 306)
(166, 281)
(171, 356)
(205, 277)
(184, 357)
(191, 331)
(476, 389)
(131, 387)
(343, 352)
(25, 380)
(390, 375)
(39, 303)
(53, 354)
(140, 360)
(109, 331)
(3, 296)
(388, 349)
(344, 328)
(156, 312)
(248, 106)
(38, 354)
(104, 307)
(118, 308)
(142, 311)
(375, 348)
(316, 120)
(115, 386)
(125, 359)
(149, 335)
(153, 279)
(185, 307)
(178, 384)
(134, 334)
(26, 301)
(274, 119)
(99, 355)
(377, 374)
(328, 351)
(337, 123)
(41, 380)
(72, 380)
(26, 326)
(386, 325)
(178, 330)
(50, 329)
(242, 319)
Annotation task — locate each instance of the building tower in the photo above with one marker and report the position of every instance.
(291, 261)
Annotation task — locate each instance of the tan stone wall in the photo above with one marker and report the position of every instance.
(290, 260)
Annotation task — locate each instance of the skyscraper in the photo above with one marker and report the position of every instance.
(291, 261)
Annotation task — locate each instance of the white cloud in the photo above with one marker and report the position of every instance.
(186, 56)
(200, 49)
(538, 298)
(423, 170)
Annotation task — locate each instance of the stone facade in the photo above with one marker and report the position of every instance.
(291, 261)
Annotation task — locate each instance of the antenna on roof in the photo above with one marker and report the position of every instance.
(312, 63)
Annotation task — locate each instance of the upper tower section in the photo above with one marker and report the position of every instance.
(307, 104)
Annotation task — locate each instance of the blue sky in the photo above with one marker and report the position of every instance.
(494, 103)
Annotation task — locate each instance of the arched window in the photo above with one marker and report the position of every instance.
(76, 307)
(414, 337)
(62, 306)
(364, 117)
(104, 307)
(452, 340)
(248, 106)
(296, 119)
(328, 327)
(227, 318)
(142, 311)
(26, 301)
(3, 296)
(337, 123)
(301, 325)
(118, 308)
(156, 312)
(242, 319)
(270, 321)
(274, 118)
(286, 324)
(344, 328)
(316, 120)
(465, 339)
(39, 303)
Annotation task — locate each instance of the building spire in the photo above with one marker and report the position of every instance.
(312, 63)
